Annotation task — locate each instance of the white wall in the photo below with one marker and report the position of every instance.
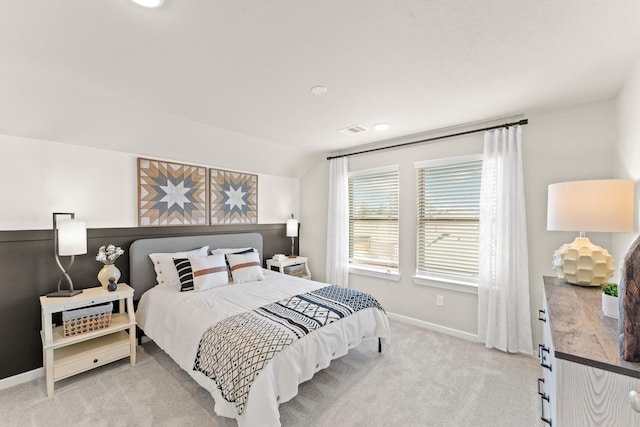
(100, 186)
(314, 197)
(562, 145)
(626, 162)
(568, 144)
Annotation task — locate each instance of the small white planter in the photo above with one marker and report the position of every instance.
(610, 306)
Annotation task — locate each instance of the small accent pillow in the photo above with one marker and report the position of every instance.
(166, 273)
(245, 267)
(185, 274)
(209, 272)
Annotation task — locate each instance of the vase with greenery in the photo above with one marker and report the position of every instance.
(610, 300)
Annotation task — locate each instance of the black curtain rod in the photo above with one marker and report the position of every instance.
(435, 138)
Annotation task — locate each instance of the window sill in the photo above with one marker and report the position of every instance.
(378, 273)
(447, 283)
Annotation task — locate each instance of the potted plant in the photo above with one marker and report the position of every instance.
(610, 300)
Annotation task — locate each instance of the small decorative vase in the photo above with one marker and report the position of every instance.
(610, 306)
(108, 271)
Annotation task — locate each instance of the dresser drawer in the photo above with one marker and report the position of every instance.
(595, 397)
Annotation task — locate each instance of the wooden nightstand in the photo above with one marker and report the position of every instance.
(66, 356)
(288, 266)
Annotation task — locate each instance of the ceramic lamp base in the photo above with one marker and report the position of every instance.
(583, 263)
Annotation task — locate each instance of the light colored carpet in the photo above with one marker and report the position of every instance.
(421, 379)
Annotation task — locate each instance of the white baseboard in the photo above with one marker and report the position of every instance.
(22, 378)
(432, 326)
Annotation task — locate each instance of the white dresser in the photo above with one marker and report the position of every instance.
(584, 382)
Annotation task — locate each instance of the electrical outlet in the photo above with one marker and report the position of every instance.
(439, 300)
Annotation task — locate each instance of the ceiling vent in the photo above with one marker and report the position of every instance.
(353, 129)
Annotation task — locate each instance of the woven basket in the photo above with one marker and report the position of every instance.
(82, 320)
(295, 270)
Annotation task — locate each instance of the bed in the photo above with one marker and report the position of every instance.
(178, 322)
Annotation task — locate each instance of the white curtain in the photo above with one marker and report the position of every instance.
(338, 223)
(504, 319)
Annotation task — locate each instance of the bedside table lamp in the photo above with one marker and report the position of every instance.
(69, 239)
(292, 231)
(595, 206)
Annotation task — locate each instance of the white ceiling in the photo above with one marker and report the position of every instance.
(246, 66)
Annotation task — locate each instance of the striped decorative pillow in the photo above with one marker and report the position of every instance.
(245, 267)
(185, 274)
(209, 272)
(226, 251)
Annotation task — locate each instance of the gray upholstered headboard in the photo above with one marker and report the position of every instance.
(141, 273)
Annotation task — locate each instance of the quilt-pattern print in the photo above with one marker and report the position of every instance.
(234, 197)
(171, 193)
(234, 351)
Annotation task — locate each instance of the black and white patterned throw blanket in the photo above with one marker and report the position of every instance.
(234, 351)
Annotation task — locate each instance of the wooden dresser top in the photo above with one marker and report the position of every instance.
(580, 332)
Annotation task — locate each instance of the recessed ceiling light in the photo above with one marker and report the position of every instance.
(149, 3)
(381, 126)
(318, 90)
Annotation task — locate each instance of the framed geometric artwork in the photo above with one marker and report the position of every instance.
(171, 193)
(233, 197)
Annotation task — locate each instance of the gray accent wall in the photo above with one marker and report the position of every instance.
(28, 270)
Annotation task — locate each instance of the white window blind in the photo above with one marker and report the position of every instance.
(448, 217)
(373, 218)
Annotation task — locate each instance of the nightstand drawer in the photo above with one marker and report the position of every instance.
(86, 355)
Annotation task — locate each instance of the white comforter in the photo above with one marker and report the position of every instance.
(176, 321)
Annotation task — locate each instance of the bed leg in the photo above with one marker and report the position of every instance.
(379, 345)
(139, 334)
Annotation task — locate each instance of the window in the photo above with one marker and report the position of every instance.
(448, 218)
(373, 218)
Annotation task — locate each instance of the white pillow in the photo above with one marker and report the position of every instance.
(245, 267)
(209, 272)
(166, 273)
(225, 251)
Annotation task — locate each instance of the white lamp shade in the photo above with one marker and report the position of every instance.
(72, 237)
(596, 206)
(292, 228)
